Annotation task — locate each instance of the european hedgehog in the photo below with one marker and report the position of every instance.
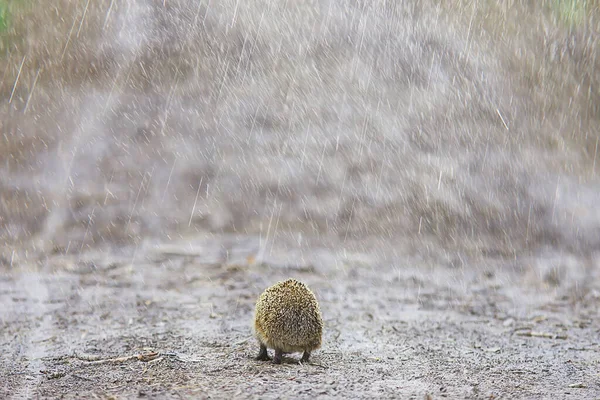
(288, 319)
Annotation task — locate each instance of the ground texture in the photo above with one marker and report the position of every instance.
(175, 321)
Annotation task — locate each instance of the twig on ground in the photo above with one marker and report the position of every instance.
(242, 341)
(56, 358)
(149, 357)
(542, 335)
(44, 340)
(87, 357)
(177, 357)
(521, 328)
(95, 359)
(578, 385)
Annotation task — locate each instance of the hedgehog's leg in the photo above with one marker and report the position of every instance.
(305, 356)
(277, 358)
(262, 354)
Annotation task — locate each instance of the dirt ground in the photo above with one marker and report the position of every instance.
(174, 321)
(429, 168)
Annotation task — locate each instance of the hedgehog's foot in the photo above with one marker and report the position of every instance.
(305, 356)
(262, 354)
(277, 358)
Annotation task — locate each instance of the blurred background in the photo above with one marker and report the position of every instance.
(459, 126)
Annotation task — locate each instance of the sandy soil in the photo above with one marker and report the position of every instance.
(428, 168)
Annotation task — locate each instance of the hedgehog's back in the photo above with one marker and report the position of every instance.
(288, 317)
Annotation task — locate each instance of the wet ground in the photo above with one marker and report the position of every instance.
(174, 320)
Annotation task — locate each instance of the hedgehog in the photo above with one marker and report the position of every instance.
(287, 319)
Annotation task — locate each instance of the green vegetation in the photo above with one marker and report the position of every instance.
(10, 12)
(4, 15)
(572, 12)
